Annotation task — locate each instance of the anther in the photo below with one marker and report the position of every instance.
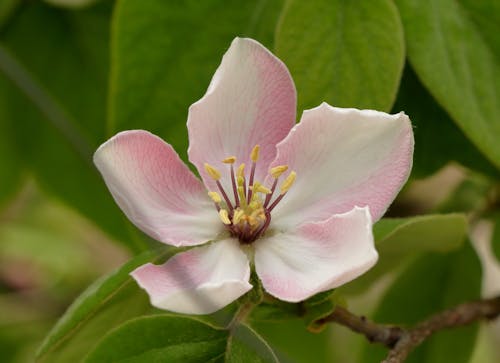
(254, 155)
(224, 217)
(215, 197)
(229, 160)
(288, 182)
(214, 173)
(238, 214)
(278, 170)
(259, 188)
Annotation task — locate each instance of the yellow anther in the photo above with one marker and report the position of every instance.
(214, 173)
(238, 215)
(224, 216)
(229, 160)
(287, 184)
(278, 170)
(259, 188)
(254, 155)
(215, 197)
(241, 171)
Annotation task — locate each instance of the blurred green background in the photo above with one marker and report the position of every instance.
(73, 73)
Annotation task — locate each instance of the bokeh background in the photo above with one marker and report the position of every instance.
(73, 73)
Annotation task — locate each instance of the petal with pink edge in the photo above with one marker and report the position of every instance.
(156, 190)
(343, 158)
(199, 281)
(316, 257)
(251, 100)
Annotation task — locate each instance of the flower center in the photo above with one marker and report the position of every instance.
(248, 215)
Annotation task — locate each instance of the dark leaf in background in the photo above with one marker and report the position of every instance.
(164, 54)
(454, 48)
(55, 106)
(107, 303)
(437, 139)
(450, 279)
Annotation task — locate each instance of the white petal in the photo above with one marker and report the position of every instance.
(251, 100)
(199, 281)
(156, 190)
(316, 257)
(343, 158)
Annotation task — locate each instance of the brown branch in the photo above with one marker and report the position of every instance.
(403, 341)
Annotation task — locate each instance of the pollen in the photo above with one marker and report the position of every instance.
(254, 155)
(287, 184)
(278, 170)
(215, 197)
(224, 216)
(214, 173)
(229, 160)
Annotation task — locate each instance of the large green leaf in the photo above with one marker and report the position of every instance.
(438, 140)
(347, 53)
(399, 241)
(455, 49)
(105, 304)
(167, 338)
(164, 54)
(55, 104)
(432, 283)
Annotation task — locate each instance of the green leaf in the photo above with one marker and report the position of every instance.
(55, 104)
(399, 241)
(293, 343)
(347, 53)
(164, 54)
(431, 284)
(454, 48)
(168, 338)
(105, 304)
(431, 122)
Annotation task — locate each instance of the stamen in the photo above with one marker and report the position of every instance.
(254, 155)
(241, 193)
(224, 195)
(229, 160)
(224, 216)
(214, 173)
(287, 184)
(278, 170)
(284, 188)
(233, 183)
(238, 215)
(270, 195)
(259, 188)
(215, 197)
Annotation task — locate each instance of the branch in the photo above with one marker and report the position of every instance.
(403, 341)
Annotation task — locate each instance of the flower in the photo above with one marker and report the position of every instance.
(297, 200)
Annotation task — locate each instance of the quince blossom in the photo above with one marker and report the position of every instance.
(296, 200)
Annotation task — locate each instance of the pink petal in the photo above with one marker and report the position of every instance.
(156, 190)
(343, 158)
(316, 257)
(199, 281)
(251, 100)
